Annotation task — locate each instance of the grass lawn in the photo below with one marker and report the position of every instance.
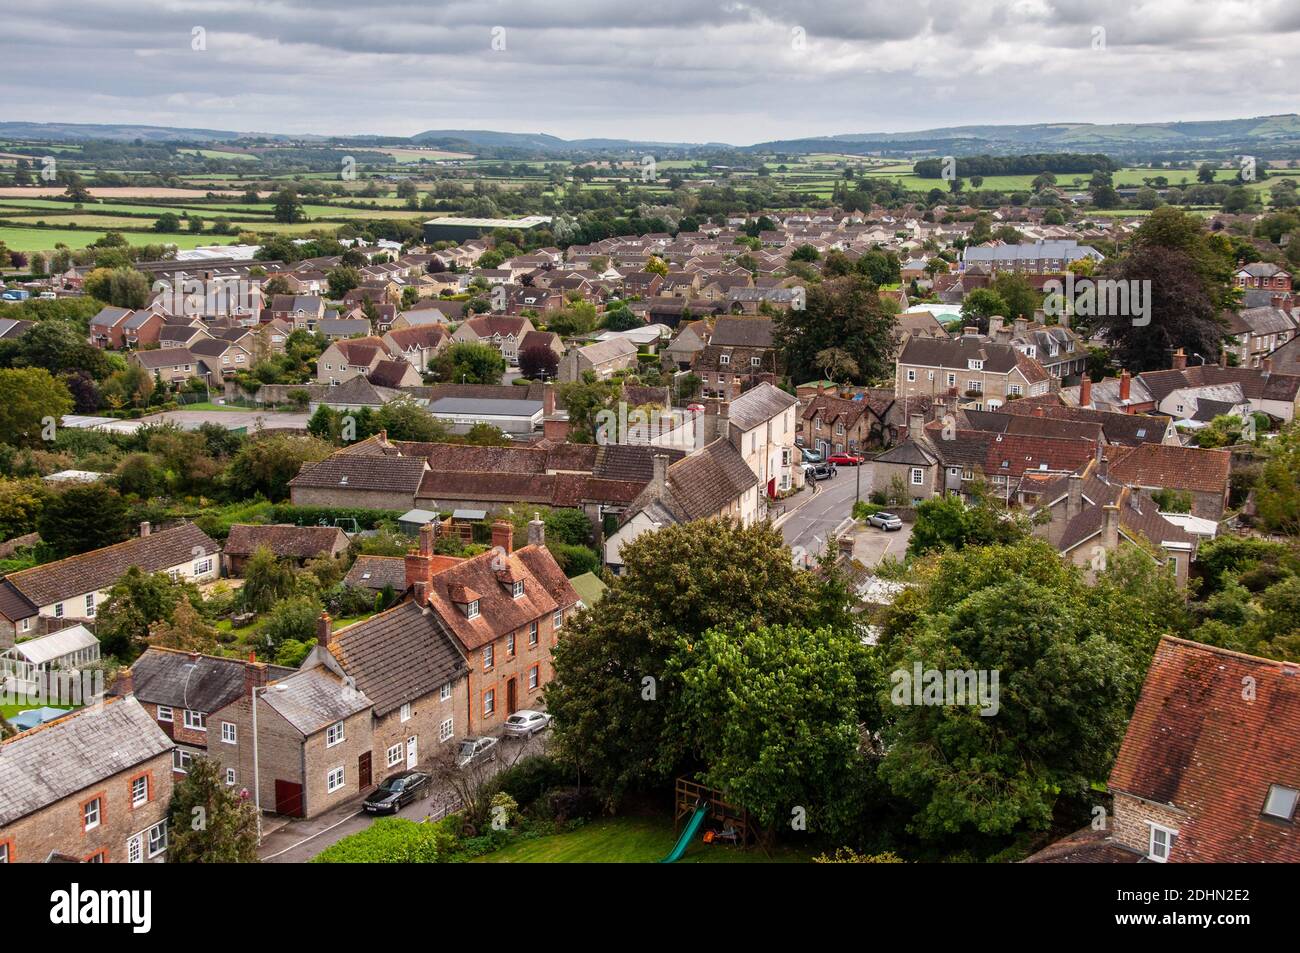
(44, 239)
(207, 405)
(630, 840)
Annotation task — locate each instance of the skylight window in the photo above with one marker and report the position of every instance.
(1281, 802)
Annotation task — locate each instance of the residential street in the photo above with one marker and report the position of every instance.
(810, 525)
(299, 841)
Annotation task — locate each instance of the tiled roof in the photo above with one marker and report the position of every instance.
(99, 569)
(741, 332)
(758, 405)
(956, 353)
(1125, 429)
(197, 682)
(398, 656)
(283, 539)
(375, 572)
(704, 483)
(1198, 743)
(360, 472)
(630, 463)
(1173, 468)
(70, 754)
(164, 357)
(545, 590)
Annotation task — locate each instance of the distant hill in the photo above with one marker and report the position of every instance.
(1280, 134)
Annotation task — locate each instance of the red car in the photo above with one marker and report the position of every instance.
(845, 460)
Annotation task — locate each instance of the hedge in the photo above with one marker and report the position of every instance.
(392, 840)
(327, 515)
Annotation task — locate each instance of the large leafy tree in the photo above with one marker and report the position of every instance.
(267, 464)
(82, 518)
(847, 314)
(1069, 657)
(210, 822)
(617, 695)
(32, 404)
(135, 605)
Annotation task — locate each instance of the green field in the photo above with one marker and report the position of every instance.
(630, 840)
(44, 239)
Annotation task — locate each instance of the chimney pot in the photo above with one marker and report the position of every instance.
(1125, 385)
(1085, 391)
(145, 529)
(536, 531)
(126, 681)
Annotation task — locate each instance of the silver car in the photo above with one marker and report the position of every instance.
(526, 723)
(886, 521)
(474, 750)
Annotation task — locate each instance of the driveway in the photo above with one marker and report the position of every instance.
(815, 521)
(298, 841)
(872, 545)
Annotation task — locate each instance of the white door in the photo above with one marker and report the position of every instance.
(412, 758)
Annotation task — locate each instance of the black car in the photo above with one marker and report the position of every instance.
(396, 792)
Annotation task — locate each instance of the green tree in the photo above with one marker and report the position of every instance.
(844, 313)
(84, 517)
(135, 603)
(474, 363)
(208, 821)
(267, 464)
(286, 207)
(32, 405)
(267, 580)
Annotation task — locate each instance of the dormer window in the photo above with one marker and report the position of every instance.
(724, 359)
(517, 588)
(974, 365)
(471, 610)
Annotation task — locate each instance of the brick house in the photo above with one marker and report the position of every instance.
(1208, 771)
(180, 691)
(986, 373)
(73, 588)
(174, 365)
(300, 311)
(1201, 474)
(417, 346)
(284, 540)
(1263, 275)
(92, 786)
(108, 327)
(506, 609)
(378, 482)
(346, 359)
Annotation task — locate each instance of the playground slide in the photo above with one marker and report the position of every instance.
(688, 835)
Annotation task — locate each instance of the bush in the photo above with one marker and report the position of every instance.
(313, 515)
(574, 560)
(573, 804)
(862, 509)
(530, 779)
(291, 619)
(392, 840)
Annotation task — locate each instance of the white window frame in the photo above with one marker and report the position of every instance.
(166, 715)
(489, 702)
(334, 735)
(532, 632)
(229, 733)
(918, 476)
(58, 610)
(405, 714)
(446, 730)
(489, 657)
(1170, 839)
(181, 760)
(510, 645)
(335, 779)
(471, 610)
(911, 375)
(534, 677)
(135, 849)
(517, 589)
(230, 777)
(92, 808)
(444, 693)
(557, 620)
(394, 755)
(203, 566)
(159, 831)
(90, 605)
(137, 800)
(195, 720)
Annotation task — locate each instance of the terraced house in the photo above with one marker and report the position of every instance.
(987, 374)
(32, 600)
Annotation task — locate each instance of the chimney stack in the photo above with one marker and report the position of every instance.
(503, 534)
(421, 593)
(125, 681)
(1074, 502)
(915, 426)
(324, 630)
(1267, 365)
(660, 479)
(1125, 385)
(995, 326)
(1085, 391)
(1180, 360)
(1103, 468)
(427, 534)
(254, 677)
(548, 400)
(1110, 526)
(145, 529)
(536, 531)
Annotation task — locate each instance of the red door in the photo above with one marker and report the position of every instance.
(288, 798)
(511, 705)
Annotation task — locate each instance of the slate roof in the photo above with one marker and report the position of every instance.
(398, 656)
(1194, 743)
(955, 353)
(164, 357)
(361, 472)
(389, 373)
(758, 405)
(1124, 429)
(741, 332)
(285, 540)
(189, 680)
(99, 569)
(314, 698)
(631, 463)
(704, 483)
(73, 753)
(1138, 516)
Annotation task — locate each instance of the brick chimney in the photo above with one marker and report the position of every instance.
(1085, 391)
(428, 532)
(254, 677)
(1103, 468)
(503, 534)
(548, 400)
(324, 630)
(1038, 410)
(125, 682)
(1266, 365)
(1125, 385)
(1180, 360)
(537, 531)
(1110, 526)
(145, 529)
(421, 593)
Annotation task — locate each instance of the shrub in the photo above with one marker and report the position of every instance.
(530, 779)
(574, 560)
(392, 840)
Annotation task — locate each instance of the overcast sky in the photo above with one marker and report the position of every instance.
(669, 70)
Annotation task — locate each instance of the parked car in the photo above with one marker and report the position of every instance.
(526, 723)
(886, 521)
(846, 460)
(473, 750)
(810, 456)
(818, 471)
(396, 792)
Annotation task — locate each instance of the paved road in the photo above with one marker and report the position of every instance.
(300, 841)
(810, 525)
